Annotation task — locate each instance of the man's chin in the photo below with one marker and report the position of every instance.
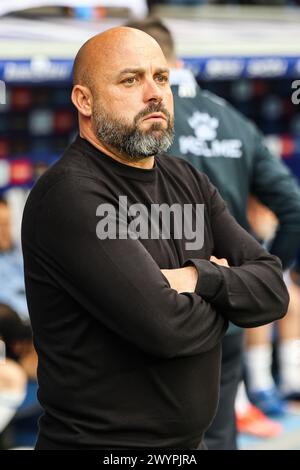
(149, 127)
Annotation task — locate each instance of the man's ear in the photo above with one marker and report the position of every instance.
(82, 99)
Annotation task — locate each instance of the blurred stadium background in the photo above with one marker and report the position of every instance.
(246, 52)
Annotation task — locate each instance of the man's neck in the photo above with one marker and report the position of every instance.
(146, 163)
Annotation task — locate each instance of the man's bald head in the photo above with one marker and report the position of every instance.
(101, 50)
(122, 93)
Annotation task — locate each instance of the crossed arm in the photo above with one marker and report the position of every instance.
(166, 313)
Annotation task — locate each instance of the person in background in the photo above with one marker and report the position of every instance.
(218, 140)
(12, 287)
(19, 409)
(12, 375)
(295, 272)
(261, 384)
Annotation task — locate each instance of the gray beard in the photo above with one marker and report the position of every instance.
(131, 142)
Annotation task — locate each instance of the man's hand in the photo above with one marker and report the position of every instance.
(185, 279)
(219, 261)
(182, 279)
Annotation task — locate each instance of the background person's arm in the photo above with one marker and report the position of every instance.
(12, 390)
(274, 185)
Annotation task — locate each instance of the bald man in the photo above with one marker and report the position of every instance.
(125, 273)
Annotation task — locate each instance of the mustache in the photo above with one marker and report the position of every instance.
(152, 108)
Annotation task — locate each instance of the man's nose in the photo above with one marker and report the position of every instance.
(152, 91)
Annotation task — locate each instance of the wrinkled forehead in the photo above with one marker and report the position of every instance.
(125, 55)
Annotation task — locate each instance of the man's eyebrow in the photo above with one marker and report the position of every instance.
(131, 70)
(141, 70)
(162, 70)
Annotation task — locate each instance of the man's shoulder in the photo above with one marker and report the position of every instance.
(65, 175)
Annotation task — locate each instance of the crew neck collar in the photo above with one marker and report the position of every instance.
(100, 158)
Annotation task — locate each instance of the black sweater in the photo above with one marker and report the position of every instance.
(124, 360)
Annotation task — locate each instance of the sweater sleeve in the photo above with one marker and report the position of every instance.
(251, 292)
(117, 280)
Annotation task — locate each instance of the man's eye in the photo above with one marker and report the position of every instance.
(129, 80)
(162, 78)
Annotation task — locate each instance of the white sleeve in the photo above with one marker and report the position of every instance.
(9, 403)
